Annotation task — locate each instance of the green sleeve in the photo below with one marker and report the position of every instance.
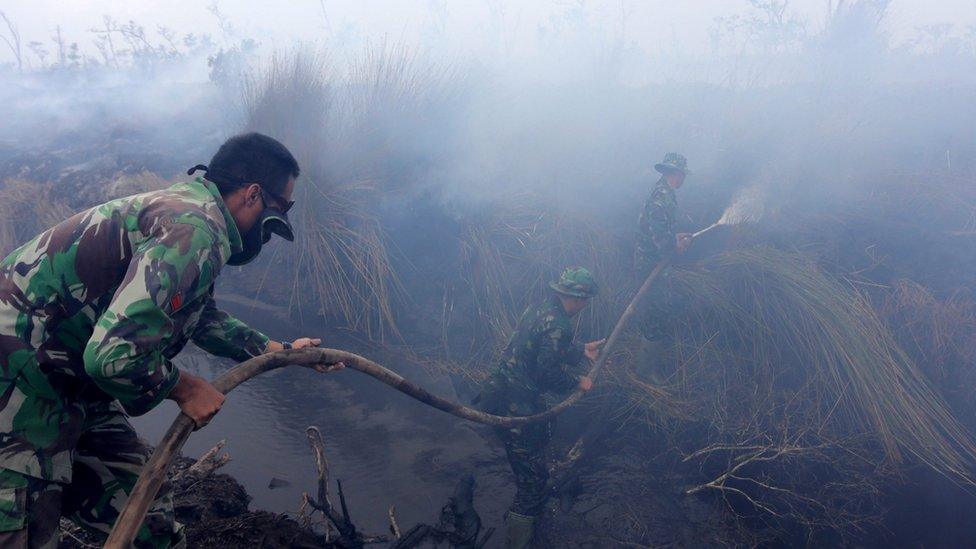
(221, 334)
(125, 355)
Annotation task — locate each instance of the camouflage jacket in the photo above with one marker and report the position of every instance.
(655, 238)
(540, 358)
(95, 308)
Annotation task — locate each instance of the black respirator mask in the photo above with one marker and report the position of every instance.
(271, 221)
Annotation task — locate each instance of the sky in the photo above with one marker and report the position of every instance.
(464, 26)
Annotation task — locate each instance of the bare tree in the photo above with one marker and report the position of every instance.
(763, 477)
(39, 51)
(13, 41)
(59, 42)
(223, 22)
(104, 42)
(168, 35)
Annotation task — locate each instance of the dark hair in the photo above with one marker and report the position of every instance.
(252, 158)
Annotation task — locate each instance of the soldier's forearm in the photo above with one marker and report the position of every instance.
(221, 334)
(138, 383)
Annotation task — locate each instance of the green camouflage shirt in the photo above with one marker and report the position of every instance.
(95, 308)
(540, 357)
(655, 238)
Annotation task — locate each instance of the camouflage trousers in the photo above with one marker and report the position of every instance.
(655, 315)
(105, 466)
(526, 447)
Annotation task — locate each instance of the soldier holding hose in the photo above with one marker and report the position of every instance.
(541, 357)
(657, 241)
(92, 312)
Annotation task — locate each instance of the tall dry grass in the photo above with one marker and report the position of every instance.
(348, 127)
(30, 207)
(789, 394)
(769, 333)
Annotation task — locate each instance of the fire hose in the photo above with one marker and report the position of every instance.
(154, 473)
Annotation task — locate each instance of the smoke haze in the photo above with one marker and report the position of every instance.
(457, 155)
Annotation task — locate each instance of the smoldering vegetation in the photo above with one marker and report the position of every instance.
(816, 383)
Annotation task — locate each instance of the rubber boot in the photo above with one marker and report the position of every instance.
(521, 530)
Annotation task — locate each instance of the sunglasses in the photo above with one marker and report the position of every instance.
(278, 201)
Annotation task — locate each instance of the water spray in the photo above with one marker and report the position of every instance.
(745, 208)
(706, 229)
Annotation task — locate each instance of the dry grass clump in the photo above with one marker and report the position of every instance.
(398, 78)
(648, 400)
(389, 103)
(340, 255)
(790, 326)
(124, 184)
(802, 402)
(349, 129)
(26, 208)
(344, 249)
(290, 99)
(940, 335)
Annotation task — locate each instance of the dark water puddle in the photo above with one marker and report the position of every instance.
(386, 448)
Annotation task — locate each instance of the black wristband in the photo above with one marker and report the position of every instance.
(285, 345)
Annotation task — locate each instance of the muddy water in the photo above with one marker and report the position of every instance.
(385, 448)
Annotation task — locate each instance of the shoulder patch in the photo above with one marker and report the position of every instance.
(177, 302)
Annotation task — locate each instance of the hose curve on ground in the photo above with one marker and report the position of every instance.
(154, 473)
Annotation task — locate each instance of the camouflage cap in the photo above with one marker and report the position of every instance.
(673, 161)
(576, 282)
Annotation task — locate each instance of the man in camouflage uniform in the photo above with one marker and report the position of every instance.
(656, 241)
(540, 358)
(93, 310)
(656, 237)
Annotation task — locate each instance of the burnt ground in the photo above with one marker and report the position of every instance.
(215, 511)
(610, 509)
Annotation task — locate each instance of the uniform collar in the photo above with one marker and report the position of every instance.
(233, 234)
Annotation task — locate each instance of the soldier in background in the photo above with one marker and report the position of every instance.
(656, 238)
(657, 241)
(541, 357)
(92, 312)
